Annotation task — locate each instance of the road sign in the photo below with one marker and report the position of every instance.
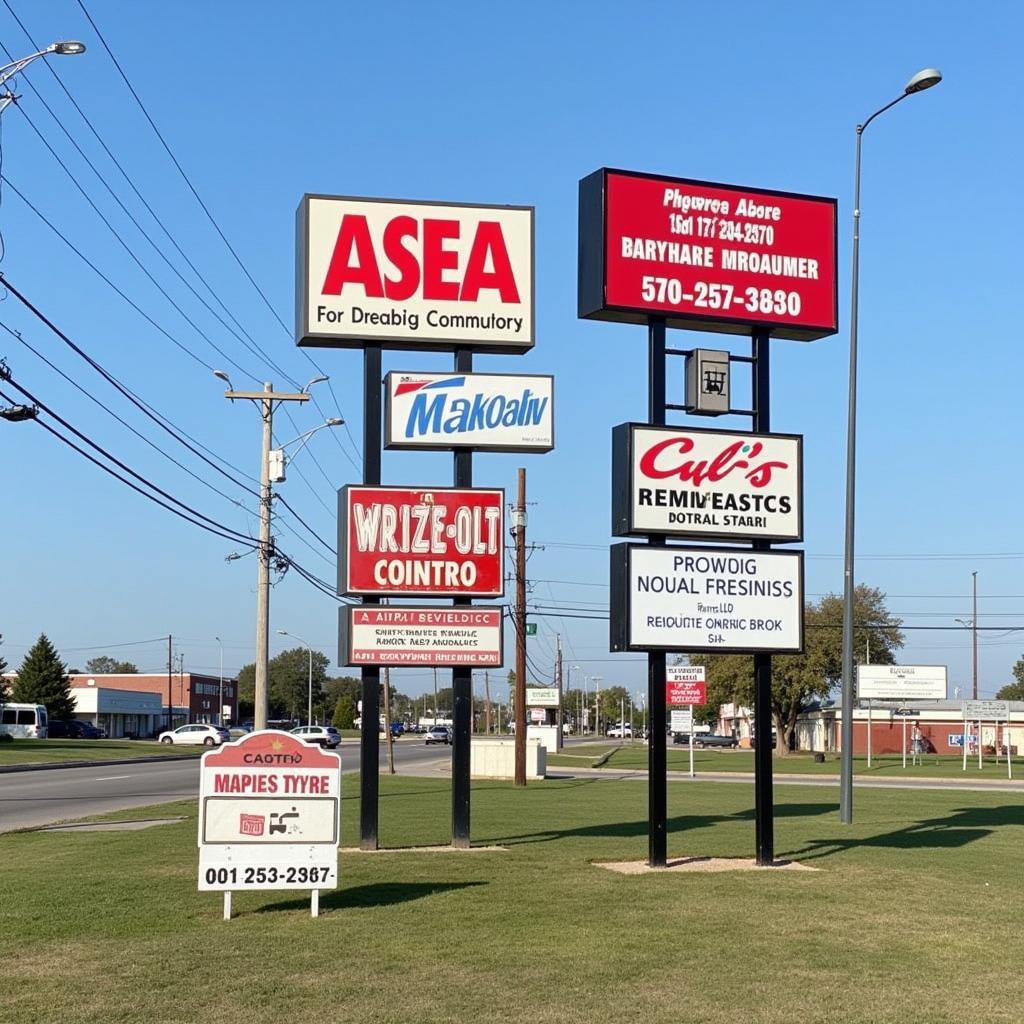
(905, 712)
(706, 256)
(542, 696)
(681, 720)
(414, 275)
(978, 709)
(424, 542)
(705, 600)
(531, 629)
(901, 682)
(269, 815)
(685, 684)
(706, 484)
(403, 635)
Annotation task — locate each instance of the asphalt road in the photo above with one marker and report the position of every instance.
(31, 799)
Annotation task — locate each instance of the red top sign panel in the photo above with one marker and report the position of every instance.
(686, 693)
(430, 542)
(707, 256)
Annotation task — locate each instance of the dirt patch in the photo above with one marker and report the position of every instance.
(707, 864)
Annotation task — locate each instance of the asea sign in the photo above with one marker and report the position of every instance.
(403, 274)
(483, 411)
(423, 541)
(706, 256)
(706, 484)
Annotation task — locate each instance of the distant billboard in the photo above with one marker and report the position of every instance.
(706, 256)
(901, 682)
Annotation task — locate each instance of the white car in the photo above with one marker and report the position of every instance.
(619, 732)
(207, 735)
(322, 735)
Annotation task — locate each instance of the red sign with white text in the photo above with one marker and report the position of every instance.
(685, 684)
(707, 256)
(428, 542)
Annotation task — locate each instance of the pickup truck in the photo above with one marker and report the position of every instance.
(619, 732)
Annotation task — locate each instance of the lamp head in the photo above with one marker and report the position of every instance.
(283, 632)
(336, 422)
(924, 79)
(316, 380)
(221, 375)
(68, 47)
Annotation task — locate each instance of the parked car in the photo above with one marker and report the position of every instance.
(711, 739)
(438, 734)
(322, 735)
(57, 729)
(207, 735)
(86, 730)
(397, 728)
(619, 732)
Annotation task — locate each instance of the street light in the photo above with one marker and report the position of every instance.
(66, 47)
(924, 79)
(309, 705)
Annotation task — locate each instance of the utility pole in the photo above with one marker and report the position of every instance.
(386, 674)
(487, 699)
(170, 705)
(519, 535)
(266, 399)
(974, 641)
(181, 687)
(558, 683)
(435, 695)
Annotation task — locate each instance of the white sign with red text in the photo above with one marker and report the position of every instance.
(269, 815)
(405, 274)
(706, 484)
(398, 635)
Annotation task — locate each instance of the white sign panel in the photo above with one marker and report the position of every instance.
(405, 274)
(684, 674)
(485, 411)
(269, 815)
(542, 697)
(978, 709)
(681, 720)
(901, 682)
(706, 600)
(706, 484)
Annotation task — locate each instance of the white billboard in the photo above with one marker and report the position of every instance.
(542, 696)
(484, 411)
(406, 274)
(681, 720)
(706, 600)
(978, 709)
(706, 484)
(901, 682)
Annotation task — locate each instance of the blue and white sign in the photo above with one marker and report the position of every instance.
(484, 411)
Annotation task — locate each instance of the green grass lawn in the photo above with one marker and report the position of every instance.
(45, 751)
(889, 765)
(914, 914)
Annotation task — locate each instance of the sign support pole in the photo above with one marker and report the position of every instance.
(764, 811)
(462, 676)
(657, 764)
(369, 743)
(869, 732)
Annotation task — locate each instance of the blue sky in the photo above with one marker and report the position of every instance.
(507, 104)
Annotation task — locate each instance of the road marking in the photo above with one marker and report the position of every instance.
(112, 778)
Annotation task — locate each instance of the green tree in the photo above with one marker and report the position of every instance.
(611, 704)
(43, 679)
(798, 679)
(344, 713)
(105, 665)
(1012, 691)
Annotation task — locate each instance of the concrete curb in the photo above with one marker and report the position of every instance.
(8, 769)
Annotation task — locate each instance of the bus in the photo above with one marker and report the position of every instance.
(23, 721)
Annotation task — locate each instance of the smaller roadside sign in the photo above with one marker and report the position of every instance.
(538, 715)
(531, 629)
(975, 709)
(542, 697)
(269, 815)
(906, 712)
(685, 685)
(681, 720)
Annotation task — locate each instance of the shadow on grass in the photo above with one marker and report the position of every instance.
(383, 894)
(957, 829)
(681, 823)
